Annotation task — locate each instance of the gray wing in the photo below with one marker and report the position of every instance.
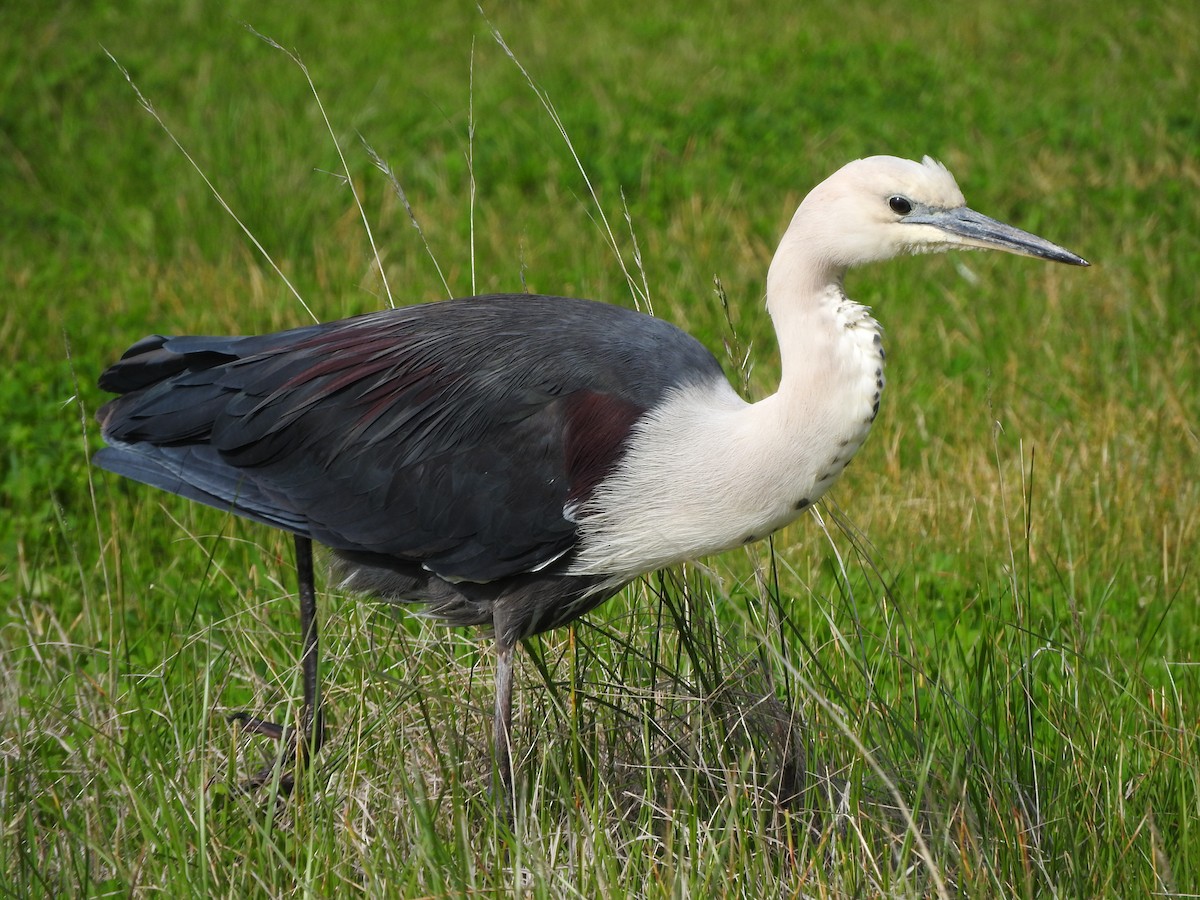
(451, 435)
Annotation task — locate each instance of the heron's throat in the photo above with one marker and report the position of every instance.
(832, 356)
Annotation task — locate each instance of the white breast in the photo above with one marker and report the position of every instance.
(707, 471)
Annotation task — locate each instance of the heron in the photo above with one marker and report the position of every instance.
(512, 461)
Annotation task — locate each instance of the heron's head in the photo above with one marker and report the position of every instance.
(882, 206)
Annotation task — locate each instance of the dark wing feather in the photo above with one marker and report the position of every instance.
(199, 474)
(449, 434)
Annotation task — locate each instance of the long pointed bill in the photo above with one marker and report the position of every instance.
(974, 229)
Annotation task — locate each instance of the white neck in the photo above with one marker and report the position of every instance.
(707, 471)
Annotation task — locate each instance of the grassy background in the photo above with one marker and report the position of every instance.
(996, 682)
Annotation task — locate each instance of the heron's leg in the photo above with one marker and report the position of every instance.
(312, 719)
(502, 725)
(311, 715)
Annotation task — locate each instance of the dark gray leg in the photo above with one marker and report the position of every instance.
(312, 722)
(502, 726)
(312, 718)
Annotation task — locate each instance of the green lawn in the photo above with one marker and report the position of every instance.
(981, 678)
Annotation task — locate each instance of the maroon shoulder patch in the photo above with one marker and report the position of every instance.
(597, 433)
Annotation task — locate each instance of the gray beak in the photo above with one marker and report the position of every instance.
(976, 230)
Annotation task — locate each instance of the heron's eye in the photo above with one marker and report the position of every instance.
(901, 206)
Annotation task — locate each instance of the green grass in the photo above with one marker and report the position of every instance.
(987, 685)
